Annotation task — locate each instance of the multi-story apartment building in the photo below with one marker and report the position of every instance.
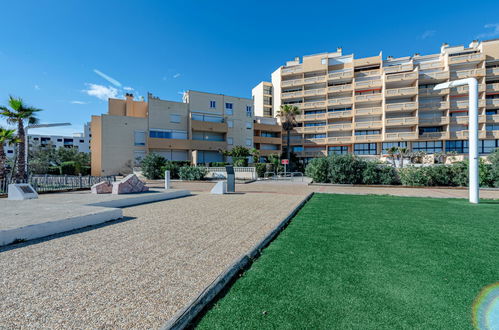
(193, 130)
(262, 99)
(81, 141)
(366, 105)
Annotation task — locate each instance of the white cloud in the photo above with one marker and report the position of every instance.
(36, 87)
(493, 33)
(108, 78)
(428, 34)
(127, 88)
(100, 91)
(78, 102)
(176, 75)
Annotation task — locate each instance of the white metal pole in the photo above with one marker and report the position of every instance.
(473, 141)
(26, 145)
(167, 180)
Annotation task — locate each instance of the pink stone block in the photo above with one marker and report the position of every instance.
(103, 187)
(130, 184)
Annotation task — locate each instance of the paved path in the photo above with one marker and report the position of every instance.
(138, 272)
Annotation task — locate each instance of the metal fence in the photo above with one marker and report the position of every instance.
(242, 173)
(48, 183)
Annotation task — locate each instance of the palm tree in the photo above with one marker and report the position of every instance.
(392, 151)
(288, 114)
(402, 153)
(19, 114)
(7, 136)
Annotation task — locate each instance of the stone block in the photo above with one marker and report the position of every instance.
(103, 187)
(129, 184)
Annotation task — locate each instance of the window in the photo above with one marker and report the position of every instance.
(297, 149)
(248, 126)
(365, 149)
(228, 105)
(140, 138)
(210, 118)
(208, 136)
(315, 136)
(229, 112)
(249, 143)
(388, 145)
(492, 127)
(82, 141)
(367, 132)
(429, 147)
(213, 104)
(230, 140)
(434, 129)
(460, 147)
(230, 123)
(10, 151)
(175, 119)
(339, 150)
(249, 111)
(58, 140)
(491, 112)
(168, 134)
(269, 134)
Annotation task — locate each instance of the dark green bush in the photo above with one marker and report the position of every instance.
(68, 168)
(261, 168)
(240, 161)
(414, 176)
(493, 158)
(53, 170)
(345, 169)
(173, 168)
(152, 165)
(376, 173)
(192, 173)
(218, 164)
(318, 169)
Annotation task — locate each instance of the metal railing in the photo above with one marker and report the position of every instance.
(49, 183)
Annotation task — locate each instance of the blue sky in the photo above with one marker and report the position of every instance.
(66, 57)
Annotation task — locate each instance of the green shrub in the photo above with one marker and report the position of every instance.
(414, 176)
(261, 168)
(54, 170)
(240, 161)
(460, 174)
(68, 168)
(85, 170)
(152, 165)
(192, 173)
(218, 164)
(440, 175)
(345, 169)
(318, 169)
(493, 158)
(377, 173)
(173, 168)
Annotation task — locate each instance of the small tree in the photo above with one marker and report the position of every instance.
(402, 153)
(288, 114)
(392, 152)
(239, 155)
(7, 136)
(152, 166)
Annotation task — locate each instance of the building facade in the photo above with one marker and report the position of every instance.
(366, 105)
(81, 141)
(193, 130)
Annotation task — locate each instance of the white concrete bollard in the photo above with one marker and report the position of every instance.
(167, 180)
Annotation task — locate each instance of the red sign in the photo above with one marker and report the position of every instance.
(285, 161)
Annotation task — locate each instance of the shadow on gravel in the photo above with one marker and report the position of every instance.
(22, 244)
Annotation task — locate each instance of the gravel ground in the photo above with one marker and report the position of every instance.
(134, 273)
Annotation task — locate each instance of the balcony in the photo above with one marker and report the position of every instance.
(314, 153)
(313, 105)
(468, 58)
(340, 101)
(340, 114)
(464, 134)
(340, 75)
(315, 116)
(368, 73)
(432, 77)
(431, 92)
(404, 121)
(207, 126)
(314, 141)
(260, 126)
(368, 111)
(291, 70)
(311, 129)
(492, 119)
(314, 80)
(363, 125)
(464, 120)
(339, 139)
(398, 68)
(290, 95)
(493, 87)
(314, 92)
(434, 135)
(471, 73)
(401, 136)
(267, 140)
(442, 105)
(464, 104)
(340, 127)
(492, 134)
(437, 120)
(378, 97)
(401, 77)
(366, 84)
(401, 106)
(340, 88)
(179, 144)
(397, 92)
(431, 65)
(368, 138)
(464, 89)
(290, 83)
(491, 72)
(492, 103)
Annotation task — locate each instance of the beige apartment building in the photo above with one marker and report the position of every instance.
(193, 130)
(366, 105)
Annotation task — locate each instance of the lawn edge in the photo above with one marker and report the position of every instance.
(185, 317)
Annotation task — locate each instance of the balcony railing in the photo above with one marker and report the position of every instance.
(368, 73)
(492, 134)
(315, 116)
(340, 114)
(294, 82)
(464, 120)
(492, 119)
(340, 88)
(493, 87)
(315, 141)
(492, 103)
(339, 139)
(368, 84)
(368, 138)
(369, 97)
(464, 134)
(432, 92)
(368, 124)
(311, 129)
(434, 76)
(314, 80)
(464, 89)
(292, 94)
(338, 75)
(401, 106)
(468, 58)
(406, 91)
(464, 104)
(493, 71)
(401, 76)
(398, 68)
(368, 111)
(401, 136)
(312, 92)
(291, 70)
(442, 105)
(462, 74)
(316, 104)
(430, 65)
(314, 153)
(437, 120)
(340, 101)
(340, 127)
(434, 135)
(405, 121)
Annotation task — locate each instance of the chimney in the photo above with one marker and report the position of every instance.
(389, 58)
(339, 49)
(474, 44)
(128, 104)
(417, 54)
(129, 96)
(443, 47)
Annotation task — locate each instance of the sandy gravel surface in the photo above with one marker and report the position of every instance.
(138, 272)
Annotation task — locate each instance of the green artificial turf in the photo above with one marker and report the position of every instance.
(368, 262)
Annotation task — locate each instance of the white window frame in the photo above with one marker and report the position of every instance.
(230, 141)
(249, 142)
(249, 111)
(213, 104)
(249, 125)
(230, 123)
(173, 118)
(139, 144)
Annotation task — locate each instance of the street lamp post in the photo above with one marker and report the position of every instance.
(26, 144)
(472, 83)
